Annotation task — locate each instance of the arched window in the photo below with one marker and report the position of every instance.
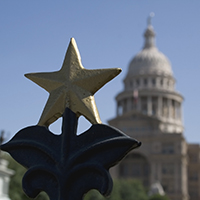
(136, 166)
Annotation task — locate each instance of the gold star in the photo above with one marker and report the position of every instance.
(72, 86)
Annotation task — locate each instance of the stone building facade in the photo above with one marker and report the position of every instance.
(149, 109)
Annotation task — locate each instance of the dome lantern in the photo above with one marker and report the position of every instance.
(149, 33)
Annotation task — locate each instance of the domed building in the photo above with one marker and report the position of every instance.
(149, 109)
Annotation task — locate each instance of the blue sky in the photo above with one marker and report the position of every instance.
(34, 36)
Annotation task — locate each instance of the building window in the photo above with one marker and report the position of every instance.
(161, 82)
(153, 82)
(145, 82)
(194, 176)
(144, 105)
(136, 170)
(135, 166)
(168, 148)
(194, 158)
(137, 82)
(154, 105)
(178, 110)
(193, 193)
(168, 169)
(173, 109)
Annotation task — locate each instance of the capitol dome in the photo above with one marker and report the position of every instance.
(149, 87)
(150, 61)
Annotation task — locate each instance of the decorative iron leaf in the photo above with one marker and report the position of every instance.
(68, 163)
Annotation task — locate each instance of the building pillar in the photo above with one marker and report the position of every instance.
(176, 110)
(160, 106)
(165, 80)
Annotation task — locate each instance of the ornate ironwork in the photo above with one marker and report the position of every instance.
(67, 166)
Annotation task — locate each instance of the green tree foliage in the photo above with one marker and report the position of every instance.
(122, 190)
(125, 190)
(158, 197)
(15, 189)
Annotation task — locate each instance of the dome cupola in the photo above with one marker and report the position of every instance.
(149, 37)
(150, 61)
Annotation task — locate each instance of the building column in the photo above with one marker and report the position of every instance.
(149, 105)
(165, 83)
(176, 110)
(159, 106)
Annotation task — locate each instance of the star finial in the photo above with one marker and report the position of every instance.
(72, 86)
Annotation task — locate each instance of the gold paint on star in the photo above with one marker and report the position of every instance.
(72, 86)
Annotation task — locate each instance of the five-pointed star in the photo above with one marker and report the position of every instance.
(72, 86)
